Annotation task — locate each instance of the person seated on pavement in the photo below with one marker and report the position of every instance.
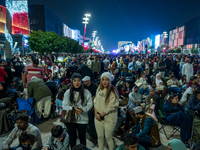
(183, 82)
(149, 135)
(160, 86)
(80, 147)
(58, 139)
(174, 86)
(130, 122)
(26, 141)
(135, 97)
(194, 101)
(130, 143)
(125, 92)
(151, 97)
(175, 115)
(121, 82)
(23, 126)
(186, 96)
(194, 82)
(144, 89)
(176, 144)
(6, 97)
(41, 95)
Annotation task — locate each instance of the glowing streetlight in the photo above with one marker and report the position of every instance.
(85, 21)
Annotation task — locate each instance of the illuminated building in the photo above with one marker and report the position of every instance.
(20, 21)
(176, 37)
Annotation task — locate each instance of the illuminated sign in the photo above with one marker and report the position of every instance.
(157, 41)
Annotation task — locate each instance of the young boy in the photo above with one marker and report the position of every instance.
(26, 141)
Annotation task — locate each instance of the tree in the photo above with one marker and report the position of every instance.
(41, 42)
(194, 50)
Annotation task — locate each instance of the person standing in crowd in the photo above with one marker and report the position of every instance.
(33, 70)
(139, 63)
(161, 67)
(106, 104)
(2, 74)
(79, 99)
(9, 79)
(18, 66)
(96, 67)
(41, 94)
(133, 67)
(58, 139)
(84, 70)
(92, 88)
(23, 126)
(175, 68)
(102, 65)
(188, 70)
(124, 68)
(106, 64)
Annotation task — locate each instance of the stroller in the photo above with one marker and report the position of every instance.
(195, 135)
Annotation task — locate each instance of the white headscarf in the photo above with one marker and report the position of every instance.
(158, 81)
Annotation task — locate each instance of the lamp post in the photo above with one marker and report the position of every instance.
(94, 34)
(85, 21)
(165, 37)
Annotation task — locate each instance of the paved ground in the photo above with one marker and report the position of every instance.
(45, 129)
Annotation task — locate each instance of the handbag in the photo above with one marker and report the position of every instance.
(68, 116)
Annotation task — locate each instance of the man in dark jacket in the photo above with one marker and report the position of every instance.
(90, 86)
(168, 63)
(9, 79)
(18, 66)
(85, 71)
(41, 94)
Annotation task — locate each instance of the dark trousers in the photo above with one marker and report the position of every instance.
(95, 75)
(184, 121)
(71, 129)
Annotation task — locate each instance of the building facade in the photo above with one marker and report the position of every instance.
(43, 18)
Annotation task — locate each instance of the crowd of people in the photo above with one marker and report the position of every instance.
(111, 95)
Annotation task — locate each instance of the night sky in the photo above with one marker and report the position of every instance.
(124, 20)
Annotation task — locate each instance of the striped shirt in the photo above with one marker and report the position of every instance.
(34, 71)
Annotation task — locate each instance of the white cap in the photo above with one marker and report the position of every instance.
(86, 78)
(108, 75)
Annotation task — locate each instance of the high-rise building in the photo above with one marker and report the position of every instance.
(43, 18)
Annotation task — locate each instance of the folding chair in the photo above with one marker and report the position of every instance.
(24, 104)
(162, 119)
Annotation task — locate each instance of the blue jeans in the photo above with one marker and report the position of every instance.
(142, 91)
(175, 89)
(184, 87)
(123, 73)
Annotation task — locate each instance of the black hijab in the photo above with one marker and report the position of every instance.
(5, 92)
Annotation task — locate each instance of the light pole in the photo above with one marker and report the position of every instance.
(165, 37)
(94, 34)
(85, 21)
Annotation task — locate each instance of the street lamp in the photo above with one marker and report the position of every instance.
(85, 21)
(165, 37)
(94, 34)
